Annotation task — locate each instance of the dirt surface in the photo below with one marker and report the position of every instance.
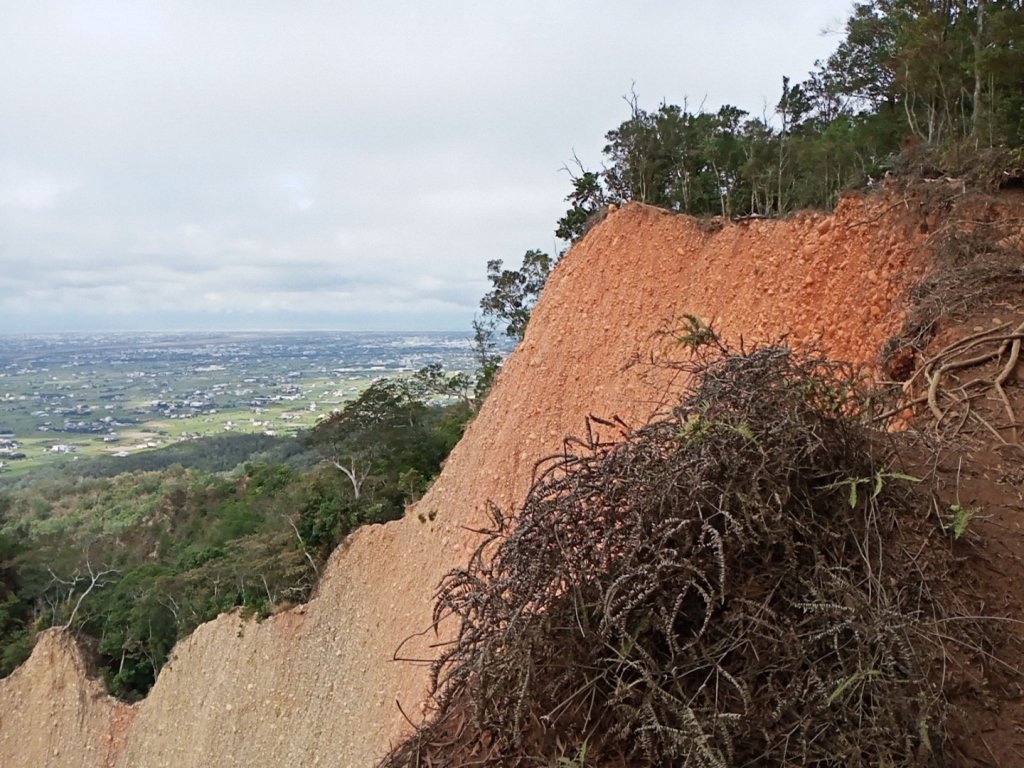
(53, 714)
(318, 685)
(979, 466)
(988, 730)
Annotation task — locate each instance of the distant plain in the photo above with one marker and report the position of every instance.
(72, 396)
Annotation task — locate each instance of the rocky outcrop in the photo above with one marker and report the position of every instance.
(320, 684)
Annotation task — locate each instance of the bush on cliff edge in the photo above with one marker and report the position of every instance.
(746, 580)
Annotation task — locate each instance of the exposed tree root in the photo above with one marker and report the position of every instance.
(943, 400)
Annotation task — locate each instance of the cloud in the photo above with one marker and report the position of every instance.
(33, 194)
(180, 163)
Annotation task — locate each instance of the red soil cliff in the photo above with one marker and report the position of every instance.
(318, 685)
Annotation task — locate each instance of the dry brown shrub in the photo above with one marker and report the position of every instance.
(977, 252)
(739, 582)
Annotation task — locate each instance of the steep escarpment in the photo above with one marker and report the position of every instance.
(54, 713)
(320, 685)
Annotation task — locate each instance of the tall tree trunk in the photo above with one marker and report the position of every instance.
(979, 47)
(356, 475)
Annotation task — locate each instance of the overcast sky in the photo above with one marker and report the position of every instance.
(335, 165)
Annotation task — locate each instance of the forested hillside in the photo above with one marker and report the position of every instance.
(914, 86)
(133, 560)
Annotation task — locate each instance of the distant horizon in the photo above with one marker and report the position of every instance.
(254, 331)
(56, 322)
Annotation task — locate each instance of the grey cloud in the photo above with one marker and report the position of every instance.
(182, 163)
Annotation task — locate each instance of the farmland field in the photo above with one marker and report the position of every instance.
(63, 397)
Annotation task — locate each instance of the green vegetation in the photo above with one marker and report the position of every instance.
(152, 482)
(927, 86)
(514, 291)
(388, 443)
(216, 453)
(133, 561)
(915, 88)
(959, 518)
(506, 307)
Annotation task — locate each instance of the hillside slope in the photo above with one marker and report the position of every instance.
(318, 685)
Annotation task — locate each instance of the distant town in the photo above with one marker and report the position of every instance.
(71, 395)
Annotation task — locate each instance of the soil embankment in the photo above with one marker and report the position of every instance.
(318, 685)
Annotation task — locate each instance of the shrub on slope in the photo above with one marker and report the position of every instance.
(744, 581)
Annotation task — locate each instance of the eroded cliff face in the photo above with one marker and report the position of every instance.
(53, 714)
(319, 685)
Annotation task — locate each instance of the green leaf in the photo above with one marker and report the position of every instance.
(845, 684)
(901, 476)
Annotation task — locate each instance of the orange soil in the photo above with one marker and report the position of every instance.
(318, 685)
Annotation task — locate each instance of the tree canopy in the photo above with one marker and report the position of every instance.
(131, 563)
(943, 75)
(514, 291)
